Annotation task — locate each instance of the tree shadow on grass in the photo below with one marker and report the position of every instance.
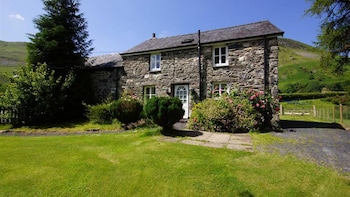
(288, 124)
(180, 133)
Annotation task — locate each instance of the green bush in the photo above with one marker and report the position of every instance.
(164, 111)
(126, 110)
(229, 113)
(100, 113)
(35, 95)
(310, 95)
(313, 86)
(236, 112)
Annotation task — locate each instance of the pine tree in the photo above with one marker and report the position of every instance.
(62, 44)
(62, 41)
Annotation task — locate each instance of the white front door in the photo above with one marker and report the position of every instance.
(181, 91)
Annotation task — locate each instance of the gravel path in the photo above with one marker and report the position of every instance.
(325, 146)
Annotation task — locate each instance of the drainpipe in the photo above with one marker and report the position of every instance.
(200, 66)
(266, 65)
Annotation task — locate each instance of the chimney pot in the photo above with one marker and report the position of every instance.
(153, 35)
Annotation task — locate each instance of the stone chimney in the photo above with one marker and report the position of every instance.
(153, 36)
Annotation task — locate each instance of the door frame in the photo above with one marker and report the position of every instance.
(187, 109)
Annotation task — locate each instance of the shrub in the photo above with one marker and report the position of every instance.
(236, 112)
(35, 95)
(100, 113)
(164, 111)
(229, 113)
(265, 107)
(126, 110)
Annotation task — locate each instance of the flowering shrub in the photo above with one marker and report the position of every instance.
(234, 112)
(229, 113)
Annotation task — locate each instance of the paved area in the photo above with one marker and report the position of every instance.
(213, 139)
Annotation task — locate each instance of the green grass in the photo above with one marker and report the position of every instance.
(137, 163)
(12, 53)
(65, 127)
(321, 105)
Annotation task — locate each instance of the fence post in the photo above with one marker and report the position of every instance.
(333, 113)
(341, 113)
(314, 110)
(281, 109)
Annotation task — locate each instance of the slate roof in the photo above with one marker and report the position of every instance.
(262, 28)
(105, 61)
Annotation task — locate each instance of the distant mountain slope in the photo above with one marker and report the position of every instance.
(12, 53)
(300, 70)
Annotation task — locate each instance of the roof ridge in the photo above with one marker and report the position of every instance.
(260, 28)
(223, 28)
(236, 26)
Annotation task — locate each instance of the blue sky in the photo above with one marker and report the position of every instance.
(117, 25)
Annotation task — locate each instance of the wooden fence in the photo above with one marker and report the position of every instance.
(336, 113)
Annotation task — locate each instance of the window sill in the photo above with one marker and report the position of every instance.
(154, 71)
(220, 65)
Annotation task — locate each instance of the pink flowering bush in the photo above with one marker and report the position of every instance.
(229, 113)
(234, 112)
(264, 106)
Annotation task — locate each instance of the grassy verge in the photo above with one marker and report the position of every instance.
(137, 163)
(324, 111)
(66, 127)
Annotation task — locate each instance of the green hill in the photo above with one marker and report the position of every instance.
(300, 70)
(12, 55)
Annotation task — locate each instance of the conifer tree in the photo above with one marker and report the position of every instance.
(63, 44)
(334, 36)
(62, 41)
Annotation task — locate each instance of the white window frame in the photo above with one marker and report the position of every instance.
(220, 56)
(155, 62)
(220, 90)
(149, 94)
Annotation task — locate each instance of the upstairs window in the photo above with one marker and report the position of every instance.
(219, 89)
(149, 92)
(220, 56)
(155, 62)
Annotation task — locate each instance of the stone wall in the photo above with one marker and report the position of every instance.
(177, 67)
(245, 69)
(105, 83)
(246, 66)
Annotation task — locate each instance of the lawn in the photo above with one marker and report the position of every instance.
(138, 163)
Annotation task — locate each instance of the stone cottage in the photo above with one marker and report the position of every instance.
(106, 70)
(203, 64)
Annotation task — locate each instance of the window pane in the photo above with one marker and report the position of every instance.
(153, 90)
(217, 51)
(223, 50)
(147, 90)
(223, 59)
(216, 60)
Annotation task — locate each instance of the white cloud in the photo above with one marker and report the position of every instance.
(16, 16)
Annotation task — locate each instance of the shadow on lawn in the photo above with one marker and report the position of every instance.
(287, 124)
(181, 133)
